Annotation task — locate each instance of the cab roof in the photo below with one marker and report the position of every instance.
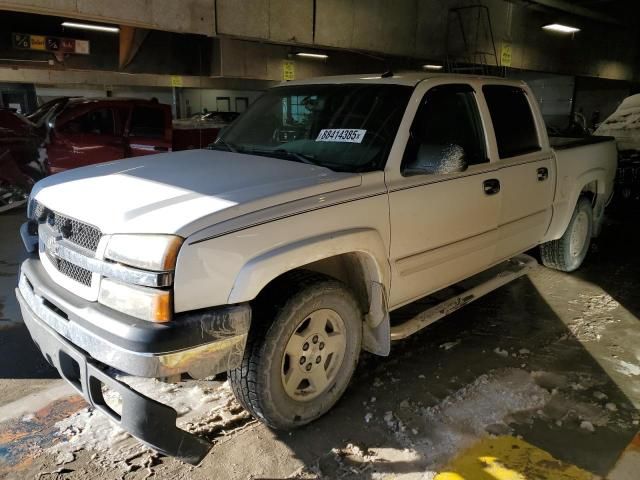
(409, 78)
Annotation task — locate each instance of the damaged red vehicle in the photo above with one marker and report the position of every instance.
(19, 167)
(73, 132)
(85, 131)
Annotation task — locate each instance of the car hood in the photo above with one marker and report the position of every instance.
(182, 192)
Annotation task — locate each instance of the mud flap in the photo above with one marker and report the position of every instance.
(376, 331)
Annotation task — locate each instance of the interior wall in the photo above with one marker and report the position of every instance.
(419, 29)
(598, 98)
(554, 94)
(199, 99)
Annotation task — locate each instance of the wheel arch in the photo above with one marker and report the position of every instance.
(590, 185)
(357, 257)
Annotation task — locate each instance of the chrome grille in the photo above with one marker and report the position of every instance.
(74, 231)
(79, 274)
(79, 233)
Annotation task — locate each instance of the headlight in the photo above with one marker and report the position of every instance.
(148, 252)
(141, 302)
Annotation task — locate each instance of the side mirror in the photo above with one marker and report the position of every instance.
(437, 160)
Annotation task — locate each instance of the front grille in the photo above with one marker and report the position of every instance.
(79, 274)
(77, 232)
(74, 231)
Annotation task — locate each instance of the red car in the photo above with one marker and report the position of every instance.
(72, 132)
(87, 131)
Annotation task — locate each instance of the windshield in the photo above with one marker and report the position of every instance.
(346, 128)
(38, 114)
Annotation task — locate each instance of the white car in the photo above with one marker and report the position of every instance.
(278, 254)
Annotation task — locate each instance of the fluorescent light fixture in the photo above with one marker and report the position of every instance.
(88, 26)
(556, 27)
(321, 56)
(430, 66)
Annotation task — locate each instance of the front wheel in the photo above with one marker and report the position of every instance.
(569, 251)
(301, 351)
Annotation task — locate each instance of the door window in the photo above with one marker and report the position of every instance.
(98, 122)
(446, 134)
(147, 122)
(512, 119)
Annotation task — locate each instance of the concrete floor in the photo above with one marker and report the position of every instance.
(538, 380)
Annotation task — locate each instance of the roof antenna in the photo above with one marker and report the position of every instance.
(387, 74)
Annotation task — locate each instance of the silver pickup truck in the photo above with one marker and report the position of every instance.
(278, 254)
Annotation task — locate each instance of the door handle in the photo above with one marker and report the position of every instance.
(491, 186)
(161, 149)
(543, 174)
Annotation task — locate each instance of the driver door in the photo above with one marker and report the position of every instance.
(444, 215)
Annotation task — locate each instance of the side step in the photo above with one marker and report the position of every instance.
(474, 288)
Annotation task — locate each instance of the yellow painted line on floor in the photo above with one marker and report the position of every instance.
(628, 465)
(509, 458)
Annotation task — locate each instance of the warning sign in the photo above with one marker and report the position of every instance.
(25, 41)
(288, 70)
(505, 55)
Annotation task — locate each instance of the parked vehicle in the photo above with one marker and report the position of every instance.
(279, 254)
(624, 126)
(75, 132)
(19, 168)
(14, 184)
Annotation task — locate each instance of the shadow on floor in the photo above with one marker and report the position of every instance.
(448, 356)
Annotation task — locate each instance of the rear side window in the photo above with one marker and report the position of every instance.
(147, 122)
(512, 119)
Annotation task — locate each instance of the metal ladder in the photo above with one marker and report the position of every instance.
(473, 59)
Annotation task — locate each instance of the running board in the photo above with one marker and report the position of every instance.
(478, 286)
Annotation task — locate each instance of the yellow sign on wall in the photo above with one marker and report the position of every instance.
(288, 70)
(505, 55)
(37, 42)
(176, 81)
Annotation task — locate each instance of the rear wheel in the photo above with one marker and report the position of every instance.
(568, 252)
(301, 352)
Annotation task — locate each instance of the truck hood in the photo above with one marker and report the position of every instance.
(182, 192)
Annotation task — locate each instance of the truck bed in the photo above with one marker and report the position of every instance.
(562, 143)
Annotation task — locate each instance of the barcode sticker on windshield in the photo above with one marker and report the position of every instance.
(350, 135)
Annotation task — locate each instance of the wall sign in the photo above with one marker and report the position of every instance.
(288, 70)
(25, 41)
(505, 55)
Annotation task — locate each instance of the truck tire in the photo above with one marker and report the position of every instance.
(302, 350)
(568, 252)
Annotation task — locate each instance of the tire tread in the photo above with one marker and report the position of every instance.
(245, 379)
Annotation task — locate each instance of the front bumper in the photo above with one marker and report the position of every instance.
(200, 343)
(67, 331)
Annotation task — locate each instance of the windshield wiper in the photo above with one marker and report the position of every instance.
(289, 155)
(301, 157)
(221, 143)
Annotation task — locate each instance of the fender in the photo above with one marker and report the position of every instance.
(567, 198)
(260, 270)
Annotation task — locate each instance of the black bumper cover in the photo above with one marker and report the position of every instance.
(149, 421)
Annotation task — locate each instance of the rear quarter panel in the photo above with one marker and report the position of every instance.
(592, 166)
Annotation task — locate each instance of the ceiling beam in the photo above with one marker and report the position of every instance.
(577, 10)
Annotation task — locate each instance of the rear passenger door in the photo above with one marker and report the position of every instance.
(527, 173)
(149, 130)
(443, 219)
